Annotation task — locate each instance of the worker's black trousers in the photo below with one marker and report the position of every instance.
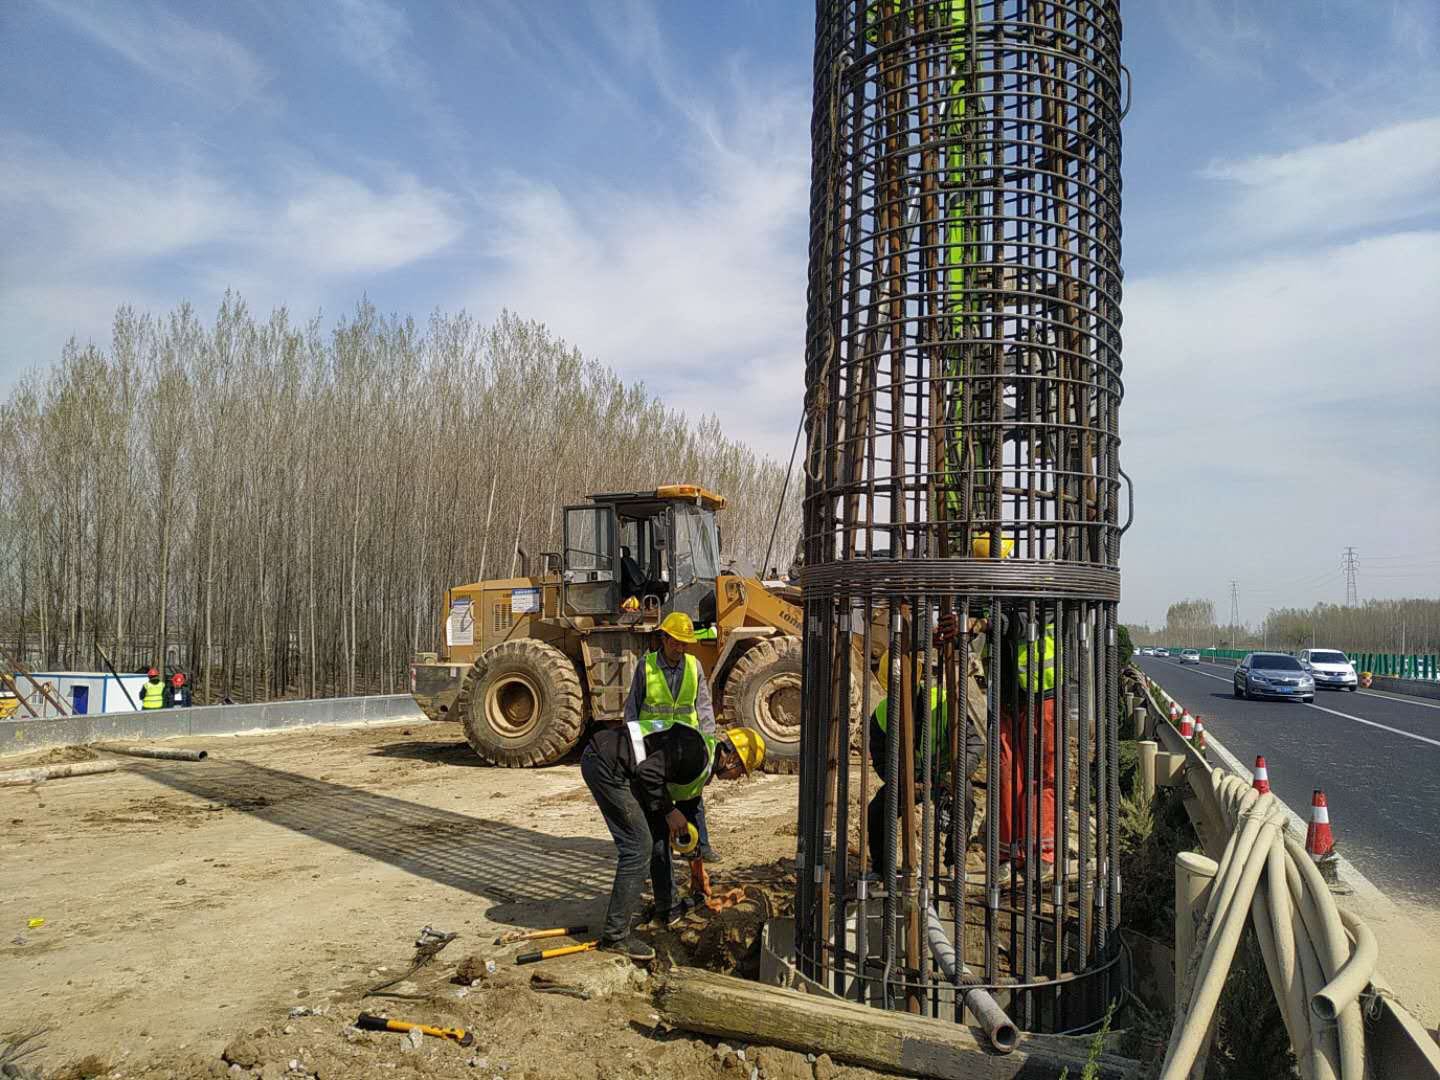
(643, 843)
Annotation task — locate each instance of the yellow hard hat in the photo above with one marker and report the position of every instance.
(630, 604)
(749, 744)
(678, 625)
(883, 675)
(980, 547)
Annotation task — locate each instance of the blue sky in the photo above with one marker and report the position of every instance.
(636, 175)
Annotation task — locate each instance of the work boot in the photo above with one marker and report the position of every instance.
(668, 920)
(631, 947)
(710, 855)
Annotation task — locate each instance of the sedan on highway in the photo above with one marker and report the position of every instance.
(1330, 668)
(1275, 675)
(1189, 656)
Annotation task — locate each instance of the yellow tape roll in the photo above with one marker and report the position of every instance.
(691, 840)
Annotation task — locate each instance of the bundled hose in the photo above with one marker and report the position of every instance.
(1319, 960)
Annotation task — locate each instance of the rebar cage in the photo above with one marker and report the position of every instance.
(962, 507)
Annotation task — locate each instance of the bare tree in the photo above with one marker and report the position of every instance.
(279, 508)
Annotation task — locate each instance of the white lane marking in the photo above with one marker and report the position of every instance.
(1372, 723)
(1400, 699)
(1344, 716)
(1363, 888)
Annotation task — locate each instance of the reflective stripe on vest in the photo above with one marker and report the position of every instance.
(660, 710)
(637, 740)
(154, 696)
(692, 790)
(1044, 651)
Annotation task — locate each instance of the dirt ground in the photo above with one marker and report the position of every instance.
(225, 917)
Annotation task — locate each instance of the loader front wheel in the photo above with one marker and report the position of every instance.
(521, 705)
(763, 692)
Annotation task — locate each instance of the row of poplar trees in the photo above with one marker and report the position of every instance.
(278, 508)
(1411, 626)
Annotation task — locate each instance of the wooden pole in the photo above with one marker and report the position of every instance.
(896, 1042)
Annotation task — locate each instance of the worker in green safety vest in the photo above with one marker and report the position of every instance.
(636, 774)
(670, 687)
(1036, 677)
(877, 835)
(152, 694)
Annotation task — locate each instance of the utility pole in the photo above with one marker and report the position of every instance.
(1234, 610)
(1350, 562)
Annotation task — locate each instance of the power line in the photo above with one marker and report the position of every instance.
(1350, 562)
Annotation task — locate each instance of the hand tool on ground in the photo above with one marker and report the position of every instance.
(544, 984)
(550, 954)
(427, 946)
(369, 1022)
(532, 935)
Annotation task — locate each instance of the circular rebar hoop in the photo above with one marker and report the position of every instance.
(962, 398)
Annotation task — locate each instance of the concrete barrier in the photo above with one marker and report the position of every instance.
(19, 736)
(1411, 687)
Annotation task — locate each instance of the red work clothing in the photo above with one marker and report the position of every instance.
(1013, 841)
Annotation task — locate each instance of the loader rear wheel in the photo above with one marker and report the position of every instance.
(763, 692)
(521, 705)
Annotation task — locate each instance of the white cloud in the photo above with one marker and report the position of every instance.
(165, 46)
(150, 208)
(338, 225)
(101, 211)
(1388, 175)
(1276, 410)
(85, 235)
(700, 290)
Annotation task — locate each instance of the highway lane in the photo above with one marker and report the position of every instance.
(1376, 758)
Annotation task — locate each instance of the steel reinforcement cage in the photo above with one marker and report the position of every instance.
(962, 397)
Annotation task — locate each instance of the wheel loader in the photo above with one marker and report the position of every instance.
(530, 661)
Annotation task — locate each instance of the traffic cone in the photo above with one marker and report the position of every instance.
(1199, 733)
(1187, 727)
(1262, 776)
(1174, 711)
(1319, 840)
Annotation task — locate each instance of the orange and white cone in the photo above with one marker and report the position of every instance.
(1187, 727)
(1319, 840)
(1199, 739)
(1262, 776)
(1174, 711)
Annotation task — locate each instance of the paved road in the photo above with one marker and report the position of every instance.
(1376, 757)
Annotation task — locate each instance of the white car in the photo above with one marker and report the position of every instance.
(1331, 669)
(1189, 656)
(1147, 652)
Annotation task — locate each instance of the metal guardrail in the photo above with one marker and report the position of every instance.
(18, 736)
(1398, 1042)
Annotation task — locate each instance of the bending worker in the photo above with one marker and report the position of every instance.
(877, 836)
(641, 774)
(670, 687)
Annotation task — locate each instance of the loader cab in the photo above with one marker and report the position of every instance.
(661, 547)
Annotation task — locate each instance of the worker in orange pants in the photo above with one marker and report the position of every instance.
(1035, 680)
(1015, 797)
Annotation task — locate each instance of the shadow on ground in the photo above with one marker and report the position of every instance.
(529, 875)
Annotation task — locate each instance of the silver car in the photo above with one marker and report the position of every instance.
(1273, 675)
